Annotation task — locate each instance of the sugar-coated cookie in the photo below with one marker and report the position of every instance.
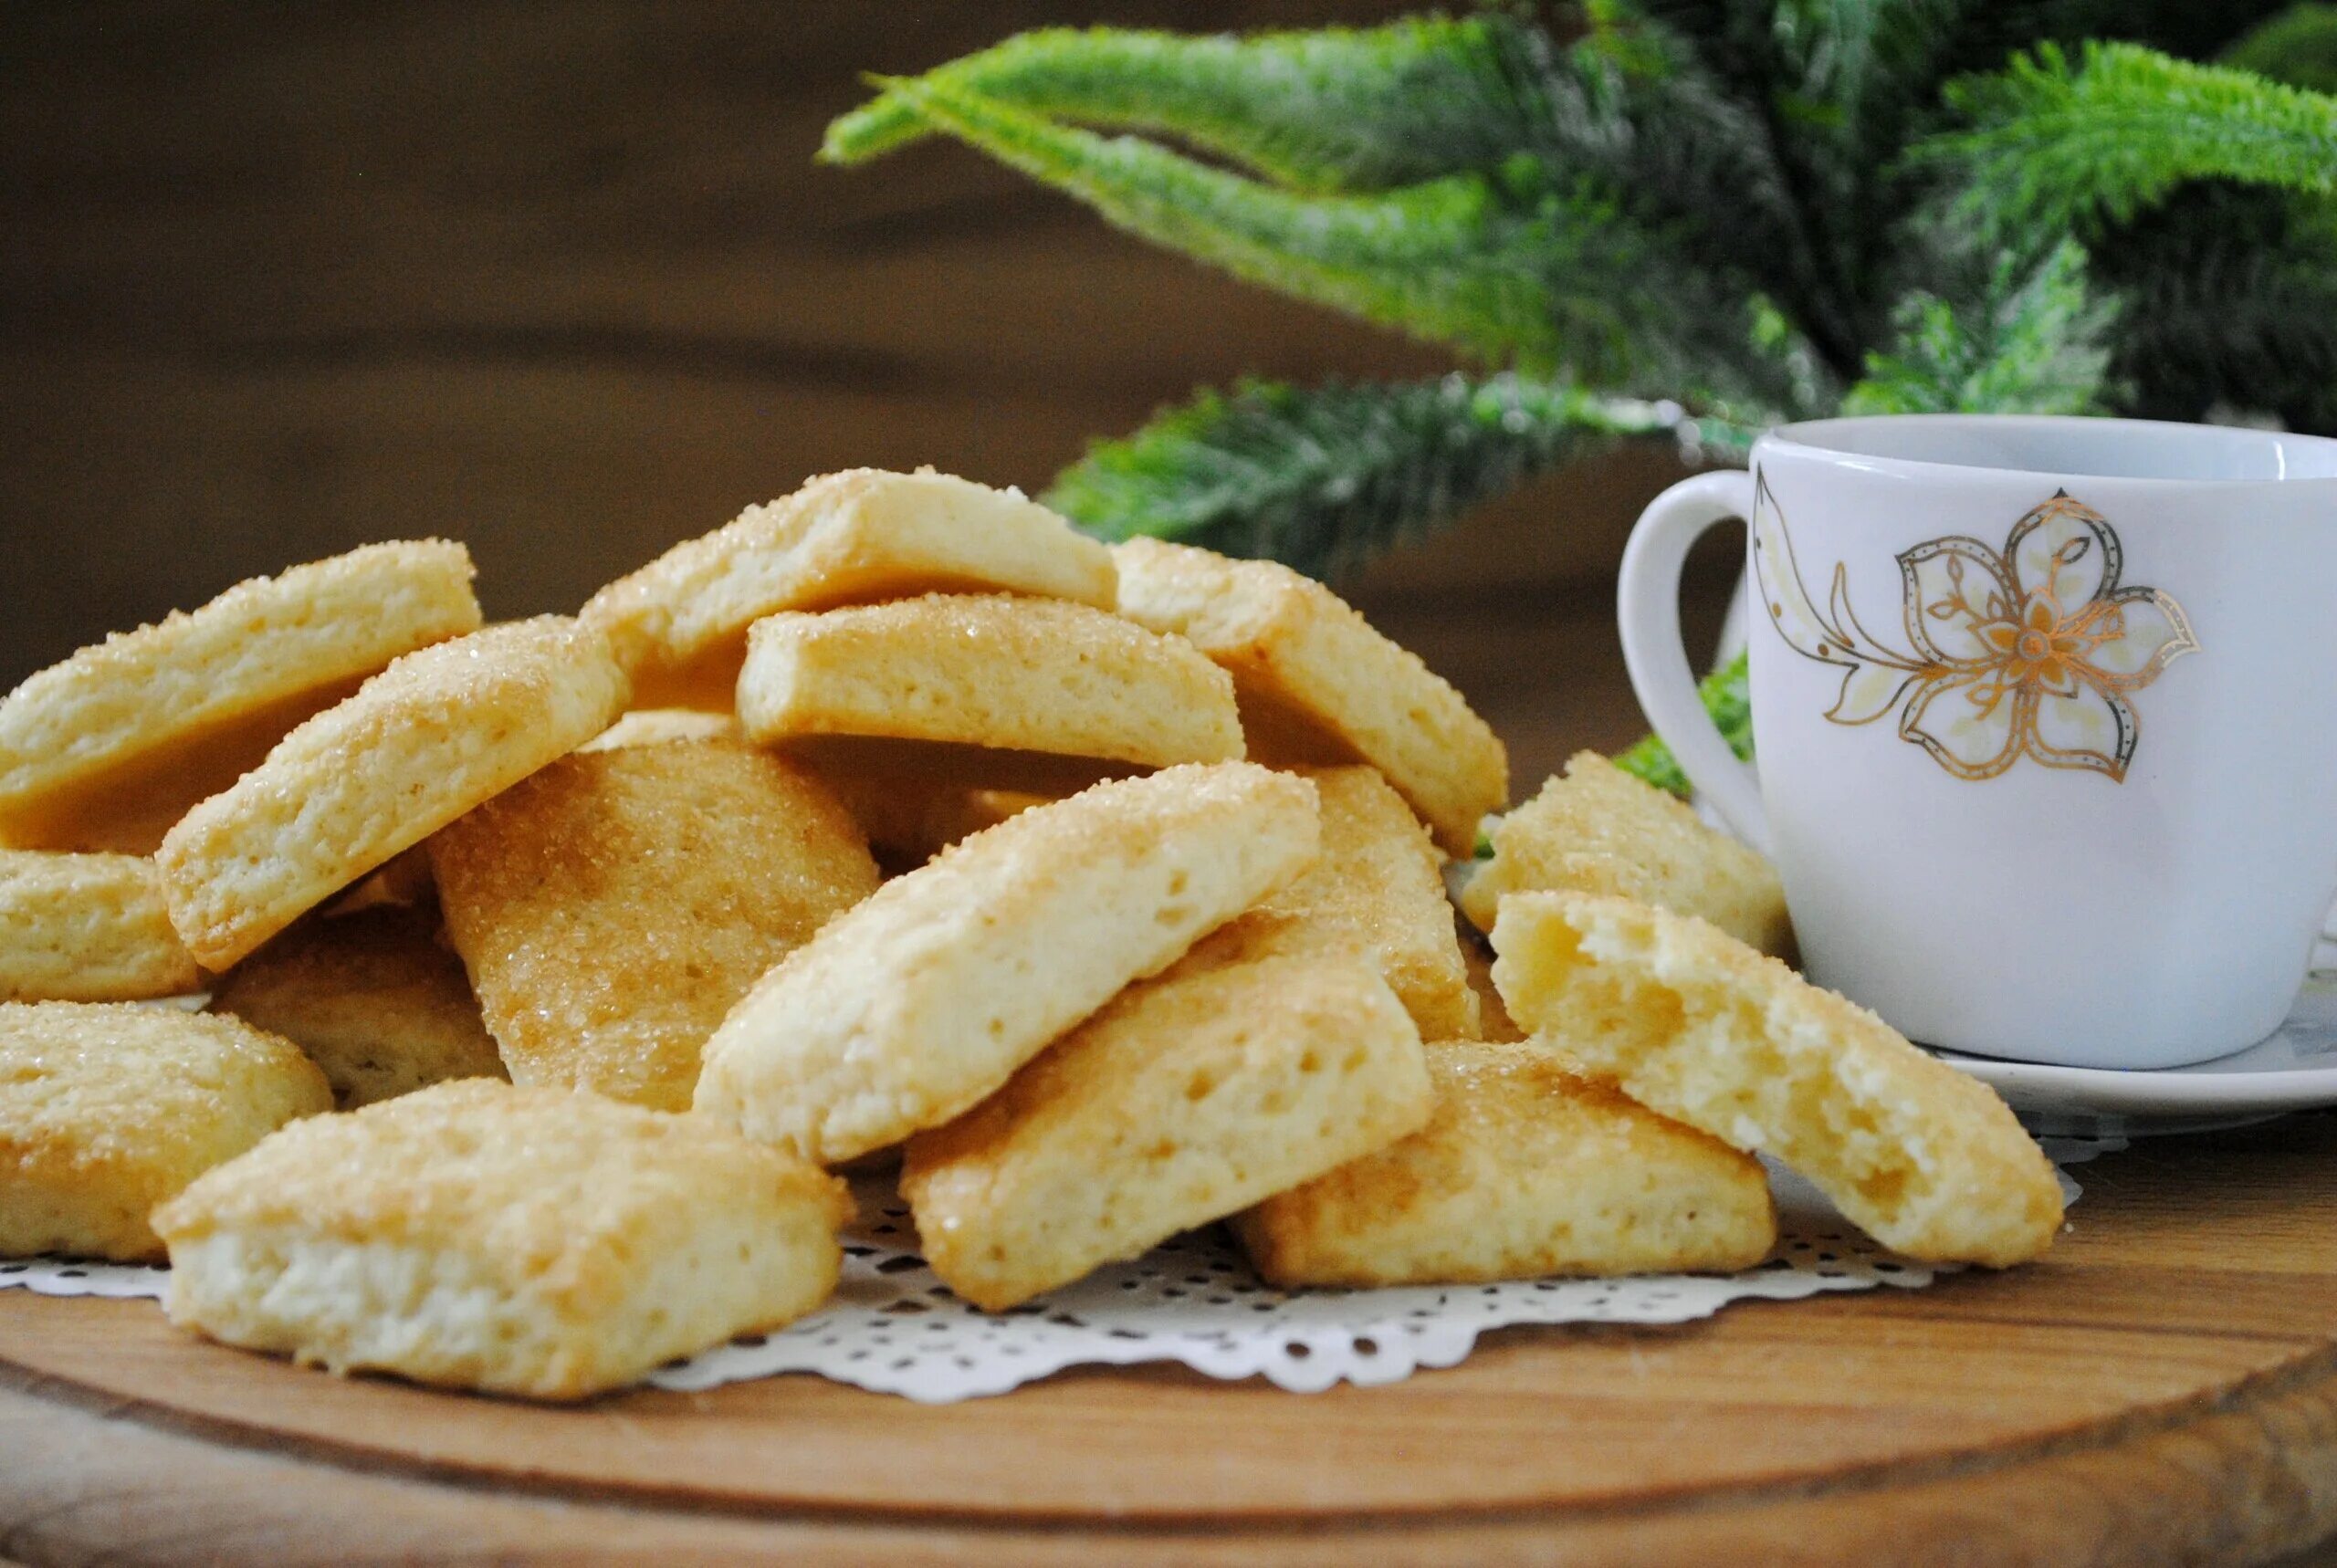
(86, 928)
(1318, 684)
(435, 734)
(1526, 1169)
(613, 908)
(1692, 1023)
(374, 996)
(108, 1109)
(542, 1242)
(1599, 830)
(106, 751)
(680, 623)
(1189, 1098)
(1376, 893)
(988, 670)
(911, 1006)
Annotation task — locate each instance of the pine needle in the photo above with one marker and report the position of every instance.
(1325, 477)
(2058, 144)
(1332, 110)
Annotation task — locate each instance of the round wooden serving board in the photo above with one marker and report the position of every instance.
(2163, 1389)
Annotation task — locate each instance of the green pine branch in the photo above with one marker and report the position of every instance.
(1340, 110)
(1728, 698)
(1508, 269)
(2037, 342)
(1324, 478)
(2058, 144)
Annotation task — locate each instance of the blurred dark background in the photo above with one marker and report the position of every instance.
(561, 280)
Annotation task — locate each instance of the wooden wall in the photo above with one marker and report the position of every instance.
(559, 279)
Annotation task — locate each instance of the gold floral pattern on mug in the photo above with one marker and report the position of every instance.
(2034, 649)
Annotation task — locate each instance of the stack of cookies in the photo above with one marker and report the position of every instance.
(555, 966)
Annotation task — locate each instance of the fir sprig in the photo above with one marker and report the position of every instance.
(1337, 110)
(2060, 144)
(1323, 478)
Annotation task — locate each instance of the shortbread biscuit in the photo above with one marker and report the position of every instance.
(375, 997)
(420, 744)
(86, 928)
(106, 751)
(656, 726)
(988, 670)
(680, 623)
(909, 1007)
(613, 908)
(1187, 1099)
(1599, 830)
(105, 1110)
(1317, 683)
(1526, 1169)
(1695, 1025)
(1376, 892)
(532, 1241)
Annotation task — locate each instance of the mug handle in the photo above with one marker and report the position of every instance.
(1647, 613)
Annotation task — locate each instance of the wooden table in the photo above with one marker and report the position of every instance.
(2162, 1389)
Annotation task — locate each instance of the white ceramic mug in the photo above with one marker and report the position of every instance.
(2045, 712)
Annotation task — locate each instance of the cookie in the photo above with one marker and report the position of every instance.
(1187, 1099)
(612, 909)
(1376, 892)
(992, 670)
(373, 997)
(1695, 1025)
(541, 1242)
(679, 623)
(1317, 683)
(108, 1109)
(435, 734)
(911, 1006)
(106, 751)
(1526, 1169)
(1599, 830)
(86, 928)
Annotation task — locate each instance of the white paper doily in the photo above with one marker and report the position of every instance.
(894, 1328)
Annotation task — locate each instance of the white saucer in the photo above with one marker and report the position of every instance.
(2294, 1069)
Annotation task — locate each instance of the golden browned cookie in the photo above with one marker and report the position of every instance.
(1376, 892)
(108, 1109)
(1525, 1168)
(426, 740)
(1692, 1023)
(373, 997)
(106, 751)
(680, 622)
(613, 908)
(912, 1006)
(1317, 683)
(86, 928)
(988, 670)
(532, 1241)
(1190, 1097)
(1599, 830)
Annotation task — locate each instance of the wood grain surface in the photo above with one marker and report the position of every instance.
(2162, 1389)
